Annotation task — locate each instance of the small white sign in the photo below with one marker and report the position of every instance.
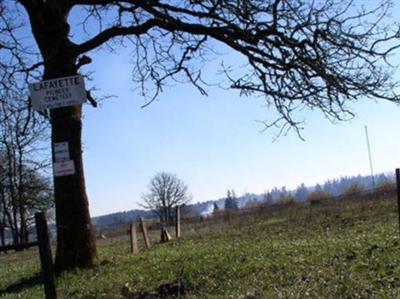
(64, 168)
(57, 93)
(61, 151)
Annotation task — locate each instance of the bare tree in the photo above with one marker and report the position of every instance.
(166, 191)
(17, 208)
(297, 54)
(24, 187)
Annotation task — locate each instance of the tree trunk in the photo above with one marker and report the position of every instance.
(3, 213)
(169, 218)
(23, 231)
(11, 186)
(20, 190)
(6, 212)
(75, 242)
(14, 234)
(76, 245)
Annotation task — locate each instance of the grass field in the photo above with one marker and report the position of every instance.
(337, 250)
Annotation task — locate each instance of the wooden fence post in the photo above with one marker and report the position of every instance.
(398, 192)
(145, 234)
(134, 244)
(46, 260)
(165, 236)
(178, 223)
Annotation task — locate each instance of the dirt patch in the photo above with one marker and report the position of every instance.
(166, 290)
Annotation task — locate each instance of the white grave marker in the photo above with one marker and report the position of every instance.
(57, 93)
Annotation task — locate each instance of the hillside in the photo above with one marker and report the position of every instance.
(335, 187)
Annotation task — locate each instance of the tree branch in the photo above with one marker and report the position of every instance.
(112, 32)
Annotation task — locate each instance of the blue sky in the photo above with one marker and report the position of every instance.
(214, 143)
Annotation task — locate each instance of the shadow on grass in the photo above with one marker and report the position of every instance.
(20, 285)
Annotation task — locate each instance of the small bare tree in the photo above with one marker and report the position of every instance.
(166, 191)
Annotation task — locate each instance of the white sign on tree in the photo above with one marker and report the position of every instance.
(57, 93)
(61, 151)
(62, 165)
(63, 168)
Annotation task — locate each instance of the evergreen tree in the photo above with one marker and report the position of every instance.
(318, 188)
(231, 201)
(216, 208)
(267, 198)
(301, 192)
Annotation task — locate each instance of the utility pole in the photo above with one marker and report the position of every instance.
(370, 157)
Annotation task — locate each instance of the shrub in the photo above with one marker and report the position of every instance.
(385, 187)
(318, 197)
(287, 200)
(254, 205)
(353, 191)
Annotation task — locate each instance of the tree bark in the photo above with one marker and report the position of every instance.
(75, 242)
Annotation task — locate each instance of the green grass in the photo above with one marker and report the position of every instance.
(332, 251)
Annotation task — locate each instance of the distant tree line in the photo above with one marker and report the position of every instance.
(347, 186)
(333, 187)
(120, 218)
